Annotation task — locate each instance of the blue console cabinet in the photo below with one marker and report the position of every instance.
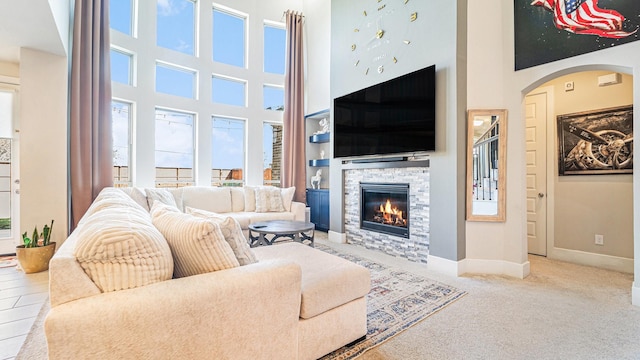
(318, 202)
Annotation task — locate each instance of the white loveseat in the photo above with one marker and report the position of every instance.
(295, 302)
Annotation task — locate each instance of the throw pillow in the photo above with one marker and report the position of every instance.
(138, 195)
(160, 195)
(287, 197)
(197, 245)
(268, 199)
(120, 249)
(232, 233)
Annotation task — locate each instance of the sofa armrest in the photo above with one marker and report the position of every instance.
(248, 312)
(298, 209)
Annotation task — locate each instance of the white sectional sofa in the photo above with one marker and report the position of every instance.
(114, 293)
(236, 202)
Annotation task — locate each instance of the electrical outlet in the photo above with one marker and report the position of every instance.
(599, 239)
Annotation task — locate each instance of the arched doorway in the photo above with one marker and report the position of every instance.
(566, 214)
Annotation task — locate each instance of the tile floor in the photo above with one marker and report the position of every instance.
(21, 297)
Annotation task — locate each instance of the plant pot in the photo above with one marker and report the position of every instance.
(36, 259)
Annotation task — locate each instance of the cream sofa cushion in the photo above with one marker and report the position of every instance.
(214, 199)
(111, 202)
(259, 217)
(120, 249)
(268, 199)
(197, 244)
(232, 233)
(177, 196)
(237, 199)
(249, 198)
(328, 281)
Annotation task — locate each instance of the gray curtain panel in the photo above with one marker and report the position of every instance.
(90, 146)
(293, 144)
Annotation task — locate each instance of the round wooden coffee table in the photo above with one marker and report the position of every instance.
(276, 231)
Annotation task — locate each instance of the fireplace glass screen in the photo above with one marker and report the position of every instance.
(385, 208)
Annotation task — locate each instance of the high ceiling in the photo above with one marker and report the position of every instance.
(30, 24)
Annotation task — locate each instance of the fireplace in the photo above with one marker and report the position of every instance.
(384, 208)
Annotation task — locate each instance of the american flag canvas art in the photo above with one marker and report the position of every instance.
(550, 30)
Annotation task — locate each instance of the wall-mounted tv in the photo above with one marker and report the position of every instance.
(394, 117)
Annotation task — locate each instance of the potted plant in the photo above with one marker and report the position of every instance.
(35, 253)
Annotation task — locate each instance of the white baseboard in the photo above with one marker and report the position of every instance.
(444, 266)
(590, 259)
(635, 294)
(497, 267)
(336, 237)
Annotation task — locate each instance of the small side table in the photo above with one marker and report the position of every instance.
(276, 231)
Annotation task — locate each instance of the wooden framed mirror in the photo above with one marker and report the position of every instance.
(486, 165)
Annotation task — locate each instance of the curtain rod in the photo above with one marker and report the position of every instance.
(295, 13)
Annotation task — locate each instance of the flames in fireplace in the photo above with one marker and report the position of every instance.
(389, 215)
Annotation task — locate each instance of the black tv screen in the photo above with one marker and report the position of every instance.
(393, 117)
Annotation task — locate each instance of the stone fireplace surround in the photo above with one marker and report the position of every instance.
(416, 174)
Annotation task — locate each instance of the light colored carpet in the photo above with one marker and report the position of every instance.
(397, 300)
(561, 311)
(35, 345)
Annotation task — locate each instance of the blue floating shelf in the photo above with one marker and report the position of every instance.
(319, 162)
(319, 138)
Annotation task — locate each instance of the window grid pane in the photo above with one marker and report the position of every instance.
(121, 65)
(120, 16)
(227, 154)
(228, 38)
(274, 49)
(121, 123)
(175, 81)
(176, 25)
(273, 98)
(272, 149)
(174, 148)
(228, 91)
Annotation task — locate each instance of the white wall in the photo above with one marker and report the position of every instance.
(436, 38)
(507, 241)
(317, 39)
(43, 142)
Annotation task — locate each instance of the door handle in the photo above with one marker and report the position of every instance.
(17, 181)
(540, 195)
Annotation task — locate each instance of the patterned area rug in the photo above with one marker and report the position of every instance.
(397, 300)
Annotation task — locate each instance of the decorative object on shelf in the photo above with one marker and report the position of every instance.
(381, 34)
(35, 253)
(324, 125)
(596, 142)
(316, 179)
(321, 154)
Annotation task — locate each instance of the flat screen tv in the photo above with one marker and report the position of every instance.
(394, 117)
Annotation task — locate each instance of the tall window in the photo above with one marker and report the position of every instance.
(228, 91)
(272, 149)
(274, 49)
(273, 97)
(172, 90)
(176, 25)
(227, 156)
(228, 38)
(121, 67)
(174, 148)
(121, 16)
(121, 123)
(176, 81)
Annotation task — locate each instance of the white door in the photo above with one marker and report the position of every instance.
(536, 142)
(9, 180)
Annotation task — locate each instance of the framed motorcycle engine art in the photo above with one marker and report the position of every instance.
(596, 142)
